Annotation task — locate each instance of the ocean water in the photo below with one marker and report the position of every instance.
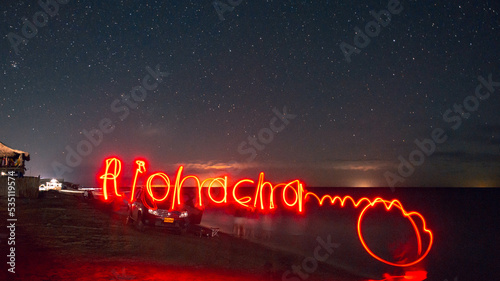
(464, 223)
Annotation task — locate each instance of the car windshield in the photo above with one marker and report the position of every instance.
(159, 193)
(165, 205)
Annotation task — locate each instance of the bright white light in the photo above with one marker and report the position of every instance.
(184, 214)
(153, 212)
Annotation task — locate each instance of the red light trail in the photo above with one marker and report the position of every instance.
(112, 172)
(417, 275)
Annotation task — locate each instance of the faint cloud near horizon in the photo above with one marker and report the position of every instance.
(360, 165)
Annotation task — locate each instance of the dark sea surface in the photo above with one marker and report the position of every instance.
(464, 223)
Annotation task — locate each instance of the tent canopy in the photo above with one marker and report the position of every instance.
(6, 151)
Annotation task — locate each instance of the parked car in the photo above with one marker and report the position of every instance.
(178, 220)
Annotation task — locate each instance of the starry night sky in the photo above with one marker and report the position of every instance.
(347, 121)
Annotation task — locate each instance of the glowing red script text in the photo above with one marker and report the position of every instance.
(293, 195)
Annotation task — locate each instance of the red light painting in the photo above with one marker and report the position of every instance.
(293, 196)
(417, 275)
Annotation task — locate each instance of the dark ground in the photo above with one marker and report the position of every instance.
(64, 237)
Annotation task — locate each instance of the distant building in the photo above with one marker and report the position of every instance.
(50, 184)
(12, 164)
(12, 160)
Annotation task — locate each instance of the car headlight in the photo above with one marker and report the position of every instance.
(183, 214)
(153, 212)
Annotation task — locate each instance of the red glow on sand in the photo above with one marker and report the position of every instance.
(293, 196)
(417, 275)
